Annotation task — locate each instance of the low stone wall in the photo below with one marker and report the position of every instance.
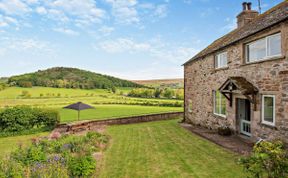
(88, 125)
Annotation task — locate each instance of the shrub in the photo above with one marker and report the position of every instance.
(16, 119)
(82, 165)
(11, 168)
(30, 155)
(3, 86)
(269, 159)
(113, 89)
(46, 117)
(23, 118)
(225, 131)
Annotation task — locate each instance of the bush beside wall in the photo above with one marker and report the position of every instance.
(22, 118)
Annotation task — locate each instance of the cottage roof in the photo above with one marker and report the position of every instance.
(271, 17)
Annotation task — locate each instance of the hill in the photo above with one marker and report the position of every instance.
(3, 80)
(162, 83)
(61, 77)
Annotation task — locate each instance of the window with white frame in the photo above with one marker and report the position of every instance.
(219, 103)
(264, 48)
(221, 60)
(268, 109)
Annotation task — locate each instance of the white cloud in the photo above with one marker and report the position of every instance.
(132, 12)
(66, 31)
(106, 31)
(125, 11)
(23, 45)
(84, 12)
(32, 1)
(41, 10)
(122, 45)
(154, 48)
(6, 21)
(161, 11)
(14, 7)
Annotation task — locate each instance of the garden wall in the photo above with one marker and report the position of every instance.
(88, 125)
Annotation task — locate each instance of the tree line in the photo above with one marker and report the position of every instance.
(157, 93)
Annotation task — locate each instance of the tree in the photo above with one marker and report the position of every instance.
(157, 93)
(25, 84)
(168, 93)
(114, 89)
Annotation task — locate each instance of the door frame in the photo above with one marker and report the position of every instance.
(240, 121)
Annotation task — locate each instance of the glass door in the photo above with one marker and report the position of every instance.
(244, 116)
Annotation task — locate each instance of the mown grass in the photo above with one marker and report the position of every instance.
(113, 111)
(9, 144)
(164, 149)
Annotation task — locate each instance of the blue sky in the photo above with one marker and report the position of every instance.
(131, 39)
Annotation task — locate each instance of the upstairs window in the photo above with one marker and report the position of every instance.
(221, 60)
(219, 104)
(264, 48)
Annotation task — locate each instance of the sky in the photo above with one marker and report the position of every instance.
(129, 39)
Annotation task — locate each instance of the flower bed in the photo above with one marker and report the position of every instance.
(67, 156)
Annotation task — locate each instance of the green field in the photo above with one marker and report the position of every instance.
(164, 149)
(113, 111)
(108, 105)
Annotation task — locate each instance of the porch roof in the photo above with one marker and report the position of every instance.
(240, 84)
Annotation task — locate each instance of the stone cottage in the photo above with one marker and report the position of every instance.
(240, 81)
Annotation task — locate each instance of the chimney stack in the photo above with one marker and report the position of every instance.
(247, 15)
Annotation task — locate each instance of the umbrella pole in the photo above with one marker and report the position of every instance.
(79, 115)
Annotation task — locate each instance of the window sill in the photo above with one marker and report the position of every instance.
(221, 68)
(264, 60)
(219, 116)
(271, 126)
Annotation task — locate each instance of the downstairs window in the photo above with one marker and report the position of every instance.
(219, 104)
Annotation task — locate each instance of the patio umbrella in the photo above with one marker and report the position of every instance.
(79, 107)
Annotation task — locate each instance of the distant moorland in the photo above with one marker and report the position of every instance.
(162, 83)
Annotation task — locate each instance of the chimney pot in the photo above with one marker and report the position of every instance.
(249, 4)
(244, 4)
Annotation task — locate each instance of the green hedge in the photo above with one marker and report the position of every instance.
(23, 118)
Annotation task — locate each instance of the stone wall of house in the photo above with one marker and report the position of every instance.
(270, 77)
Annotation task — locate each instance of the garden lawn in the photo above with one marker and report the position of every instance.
(9, 144)
(102, 112)
(164, 149)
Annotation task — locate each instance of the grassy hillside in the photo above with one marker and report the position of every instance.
(162, 83)
(61, 77)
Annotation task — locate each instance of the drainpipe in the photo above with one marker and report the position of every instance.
(184, 115)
